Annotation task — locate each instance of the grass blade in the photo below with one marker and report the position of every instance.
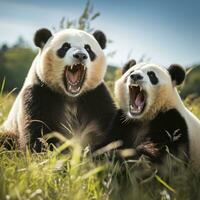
(165, 184)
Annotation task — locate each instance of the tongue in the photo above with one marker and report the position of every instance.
(73, 77)
(139, 101)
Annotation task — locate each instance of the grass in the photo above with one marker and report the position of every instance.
(74, 176)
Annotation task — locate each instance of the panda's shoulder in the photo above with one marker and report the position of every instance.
(170, 119)
(101, 89)
(98, 102)
(38, 97)
(170, 114)
(38, 91)
(99, 94)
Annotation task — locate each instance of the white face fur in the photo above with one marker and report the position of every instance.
(71, 62)
(144, 90)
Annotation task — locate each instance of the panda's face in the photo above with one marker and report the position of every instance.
(143, 90)
(72, 61)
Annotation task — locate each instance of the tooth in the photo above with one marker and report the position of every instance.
(134, 85)
(70, 87)
(79, 88)
(140, 88)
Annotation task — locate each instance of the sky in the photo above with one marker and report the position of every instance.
(166, 31)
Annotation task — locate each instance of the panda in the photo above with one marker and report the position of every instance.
(64, 91)
(152, 119)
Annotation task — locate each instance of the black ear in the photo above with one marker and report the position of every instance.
(41, 37)
(101, 38)
(128, 65)
(177, 74)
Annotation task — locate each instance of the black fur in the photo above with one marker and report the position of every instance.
(177, 73)
(9, 142)
(90, 52)
(47, 109)
(166, 129)
(63, 50)
(128, 65)
(152, 77)
(41, 37)
(101, 38)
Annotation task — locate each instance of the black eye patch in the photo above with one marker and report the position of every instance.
(90, 52)
(63, 50)
(153, 78)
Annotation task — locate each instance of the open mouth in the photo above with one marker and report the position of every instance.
(74, 77)
(137, 99)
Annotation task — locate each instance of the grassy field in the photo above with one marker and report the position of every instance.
(52, 175)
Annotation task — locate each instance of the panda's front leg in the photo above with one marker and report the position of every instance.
(163, 143)
(42, 111)
(35, 131)
(34, 124)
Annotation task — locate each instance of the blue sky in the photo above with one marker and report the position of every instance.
(167, 31)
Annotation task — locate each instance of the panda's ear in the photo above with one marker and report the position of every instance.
(101, 38)
(177, 74)
(128, 65)
(41, 37)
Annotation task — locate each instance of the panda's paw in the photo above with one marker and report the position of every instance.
(148, 148)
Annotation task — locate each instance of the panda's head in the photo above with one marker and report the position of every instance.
(70, 61)
(145, 89)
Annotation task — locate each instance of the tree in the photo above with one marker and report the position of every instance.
(4, 48)
(20, 43)
(15, 62)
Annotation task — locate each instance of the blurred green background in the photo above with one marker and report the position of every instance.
(16, 59)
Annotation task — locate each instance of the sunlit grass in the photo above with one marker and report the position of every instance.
(76, 175)
(48, 176)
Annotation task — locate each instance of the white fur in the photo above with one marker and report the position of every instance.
(193, 124)
(163, 89)
(162, 96)
(50, 68)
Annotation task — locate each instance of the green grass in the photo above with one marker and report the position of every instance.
(57, 176)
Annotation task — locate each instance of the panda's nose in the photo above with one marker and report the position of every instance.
(80, 56)
(136, 77)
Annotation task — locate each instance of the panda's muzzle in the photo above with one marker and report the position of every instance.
(137, 99)
(74, 77)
